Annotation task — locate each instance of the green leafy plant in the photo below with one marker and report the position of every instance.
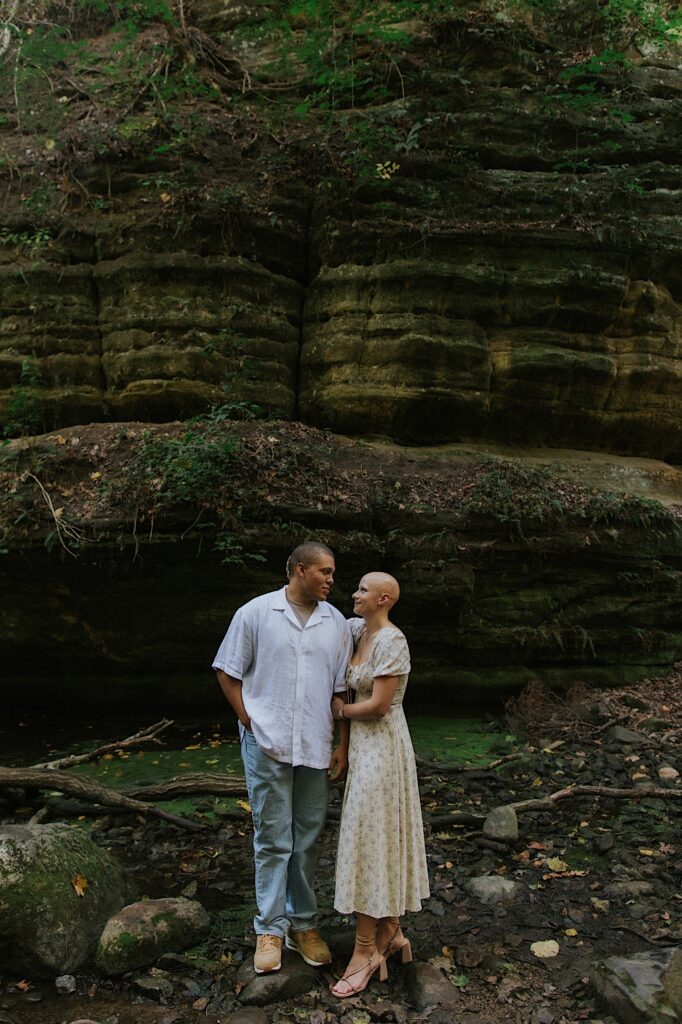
(189, 475)
(24, 415)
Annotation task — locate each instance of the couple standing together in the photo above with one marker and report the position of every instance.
(286, 665)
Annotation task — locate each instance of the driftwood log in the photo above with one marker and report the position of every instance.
(86, 789)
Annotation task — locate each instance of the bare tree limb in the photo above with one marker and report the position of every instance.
(459, 769)
(6, 29)
(633, 793)
(193, 782)
(139, 739)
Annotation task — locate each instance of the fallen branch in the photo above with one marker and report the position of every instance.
(192, 782)
(139, 739)
(6, 28)
(633, 793)
(86, 789)
(455, 818)
(459, 769)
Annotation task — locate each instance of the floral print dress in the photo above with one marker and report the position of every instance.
(381, 861)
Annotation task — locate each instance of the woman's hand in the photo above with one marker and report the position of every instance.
(337, 707)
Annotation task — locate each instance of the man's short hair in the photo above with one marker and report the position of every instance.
(307, 553)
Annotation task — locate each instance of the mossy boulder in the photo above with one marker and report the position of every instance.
(57, 890)
(142, 932)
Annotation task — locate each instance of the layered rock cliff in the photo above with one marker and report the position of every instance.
(468, 235)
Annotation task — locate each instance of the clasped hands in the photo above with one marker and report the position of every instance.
(337, 705)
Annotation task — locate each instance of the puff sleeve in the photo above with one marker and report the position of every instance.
(391, 655)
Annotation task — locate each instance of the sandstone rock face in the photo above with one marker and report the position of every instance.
(502, 584)
(150, 337)
(554, 347)
(512, 281)
(57, 889)
(516, 278)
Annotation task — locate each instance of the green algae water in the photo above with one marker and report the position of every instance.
(212, 746)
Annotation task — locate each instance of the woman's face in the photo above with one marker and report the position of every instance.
(366, 597)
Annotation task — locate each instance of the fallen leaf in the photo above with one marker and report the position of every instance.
(245, 806)
(23, 985)
(79, 884)
(95, 476)
(571, 932)
(545, 949)
(556, 864)
(646, 852)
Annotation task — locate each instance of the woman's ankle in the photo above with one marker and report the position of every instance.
(365, 950)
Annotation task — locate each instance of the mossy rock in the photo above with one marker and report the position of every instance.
(57, 890)
(142, 932)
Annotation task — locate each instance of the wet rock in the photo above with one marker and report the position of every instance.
(65, 984)
(154, 987)
(625, 737)
(140, 933)
(8, 1018)
(293, 979)
(633, 987)
(49, 929)
(672, 982)
(631, 889)
(491, 889)
(502, 824)
(426, 987)
(603, 844)
(542, 1016)
(653, 724)
(248, 1015)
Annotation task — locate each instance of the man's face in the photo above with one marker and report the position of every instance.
(317, 579)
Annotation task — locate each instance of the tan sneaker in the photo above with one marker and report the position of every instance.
(309, 944)
(268, 956)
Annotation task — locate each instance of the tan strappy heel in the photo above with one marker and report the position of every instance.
(399, 944)
(375, 962)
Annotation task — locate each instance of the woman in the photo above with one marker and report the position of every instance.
(381, 862)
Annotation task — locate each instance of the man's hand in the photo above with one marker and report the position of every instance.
(338, 766)
(337, 704)
(246, 722)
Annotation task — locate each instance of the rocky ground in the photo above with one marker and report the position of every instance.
(587, 878)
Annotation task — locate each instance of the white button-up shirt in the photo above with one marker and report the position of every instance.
(289, 675)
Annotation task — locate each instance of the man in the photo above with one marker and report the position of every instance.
(282, 660)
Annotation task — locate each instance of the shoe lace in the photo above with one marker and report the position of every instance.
(268, 942)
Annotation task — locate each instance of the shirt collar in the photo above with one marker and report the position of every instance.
(280, 604)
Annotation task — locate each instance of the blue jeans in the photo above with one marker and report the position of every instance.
(289, 805)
